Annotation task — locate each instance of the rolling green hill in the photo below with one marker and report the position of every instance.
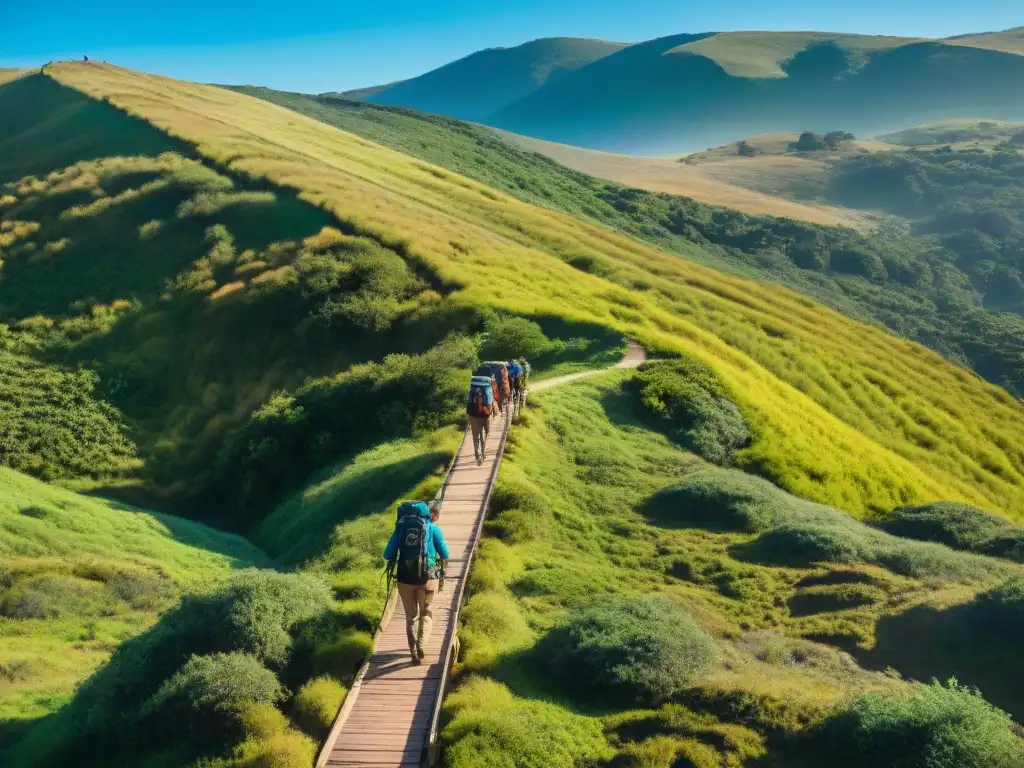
(685, 92)
(79, 576)
(278, 317)
(474, 87)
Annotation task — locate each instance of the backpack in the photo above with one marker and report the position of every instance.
(481, 397)
(411, 531)
(515, 372)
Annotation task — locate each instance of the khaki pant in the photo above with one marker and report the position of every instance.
(419, 617)
(481, 427)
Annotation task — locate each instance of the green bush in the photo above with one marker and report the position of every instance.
(643, 649)
(933, 726)
(209, 693)
(999, 612)
(512, 337)
(687, 397)
(256, 614)
(795, 532)
(727, 501)
(316, 704)
(958, 525)
(296, 433)
(491, 727)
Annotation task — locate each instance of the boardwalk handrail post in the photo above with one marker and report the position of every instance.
(430, 754)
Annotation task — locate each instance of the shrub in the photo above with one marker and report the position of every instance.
(270, 742)
(999, 612)
(730, 501)
(509, 336)
(343, 657)
(491, 727)
(687, 397)
(643, 649)
(957, 525)
(932, 726)
(316, 705)
(209, 693)
(795, 532)
(295, 433)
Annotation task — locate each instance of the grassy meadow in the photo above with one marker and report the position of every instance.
(594, 506)
(79, 576)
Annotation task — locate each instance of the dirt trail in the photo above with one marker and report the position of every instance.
(635, 355)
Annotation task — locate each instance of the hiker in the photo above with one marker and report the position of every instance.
(496, 407)
(526, 371)
(414, 554)
(479, 408)
(515, 376)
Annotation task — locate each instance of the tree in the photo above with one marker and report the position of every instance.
(808, 142)
(746, 150)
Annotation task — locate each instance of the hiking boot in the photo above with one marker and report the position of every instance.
(420, 653)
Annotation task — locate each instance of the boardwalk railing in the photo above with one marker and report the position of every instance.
(392, 712)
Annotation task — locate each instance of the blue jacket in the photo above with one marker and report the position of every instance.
(515, 370)
(435, 539)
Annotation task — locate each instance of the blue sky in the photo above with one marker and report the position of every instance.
(313, 45)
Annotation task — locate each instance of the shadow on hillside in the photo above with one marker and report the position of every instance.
(300, 528)
(47, 127)
(240, 552)
(925, 643)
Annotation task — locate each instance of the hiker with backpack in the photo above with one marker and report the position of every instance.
(415, 555)
(515, 377)
(479, 408)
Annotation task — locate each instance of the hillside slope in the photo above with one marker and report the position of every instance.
(667, 174)
(474, 87)
(883, 276)
(492, 250)
(1008, 40)
(284, 315)
(82, 575)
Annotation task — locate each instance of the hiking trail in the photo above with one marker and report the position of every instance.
(390, 715)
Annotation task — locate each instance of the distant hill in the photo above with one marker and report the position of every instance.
(684, 92)
(1009, 40)
(474, 87)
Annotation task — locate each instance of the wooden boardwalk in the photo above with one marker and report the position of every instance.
(389, 717)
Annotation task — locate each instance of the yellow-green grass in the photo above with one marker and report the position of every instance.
(762, 54)
(572, 523)
(79, 576)
(705, 183)
(845, 413)
(8, 74)
(1007, 41)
